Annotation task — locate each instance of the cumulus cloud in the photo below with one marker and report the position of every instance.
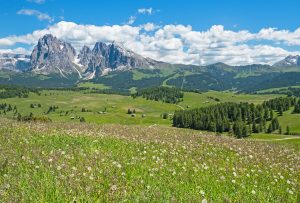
(131, 20)
(19, 50)
(31, 12)
(283, 36)
(141, 11)
(145, 11)
(150, 27)
(174, 43)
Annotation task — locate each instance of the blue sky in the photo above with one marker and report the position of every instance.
(23, 17)
(234, 14)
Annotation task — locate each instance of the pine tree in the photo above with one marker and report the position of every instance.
(287, 130)
(280, 130)
(297, 107)
(230, 131)
(271, 114)
(213, 127)
(266, 114)
(254, 128)
(280, 111)
(270, 128)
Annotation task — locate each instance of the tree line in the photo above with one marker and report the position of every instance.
(10, 91)
(297, 107)
(165, 94)
(239, 119)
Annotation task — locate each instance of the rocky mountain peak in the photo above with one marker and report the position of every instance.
(52, 55)
(289, 61)
(14, 62)
(100, 47)
(109, 57)
(84, 56)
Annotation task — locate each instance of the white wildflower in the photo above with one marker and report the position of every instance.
(204, 201)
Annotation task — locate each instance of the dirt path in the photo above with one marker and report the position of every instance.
(180, 107)
(279, 139)
(287, 138)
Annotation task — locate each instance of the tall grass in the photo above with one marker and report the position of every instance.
(54, 162)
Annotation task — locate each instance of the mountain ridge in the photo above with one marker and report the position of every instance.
(52, 55)
(54, 62)
(288, 61)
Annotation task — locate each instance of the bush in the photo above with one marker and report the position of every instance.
(165, 115)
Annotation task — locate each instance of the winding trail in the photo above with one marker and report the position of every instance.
(287, 138)
(180, 106)
(279, 139)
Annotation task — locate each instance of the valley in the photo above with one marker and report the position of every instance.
(116, 106)
(105, 124)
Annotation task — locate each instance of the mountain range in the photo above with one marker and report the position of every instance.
(52, 55)
(54, 62)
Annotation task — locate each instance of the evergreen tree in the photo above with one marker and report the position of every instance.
(280, 111)
(270, 128)
(254, 128)
(297, 107)
(271, 115)
(280, 130)
(287, 130)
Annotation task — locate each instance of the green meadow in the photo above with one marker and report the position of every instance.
(148, 112)
(76, 162)
(116, 156)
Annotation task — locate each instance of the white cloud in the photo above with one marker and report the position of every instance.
(31, 12)
(145, 11)
(174, 43)
(284, 36)
(19, 50)
(131, 20)
(37, 1)
(150, 27)
(141, 11)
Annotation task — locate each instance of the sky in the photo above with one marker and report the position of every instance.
(199, 32)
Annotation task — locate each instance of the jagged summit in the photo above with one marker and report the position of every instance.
(289, 61)
(14, 62)
(55, 56)
(52, 55)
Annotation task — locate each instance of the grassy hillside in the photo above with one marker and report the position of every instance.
(291, 120)
(284, 140)
(116, 106)
(193, 100)
(220, 77)
(93, 85)
(57, 162)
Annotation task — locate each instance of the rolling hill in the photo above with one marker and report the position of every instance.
(55, 63)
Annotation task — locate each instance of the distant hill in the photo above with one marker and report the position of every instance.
(55, 63)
